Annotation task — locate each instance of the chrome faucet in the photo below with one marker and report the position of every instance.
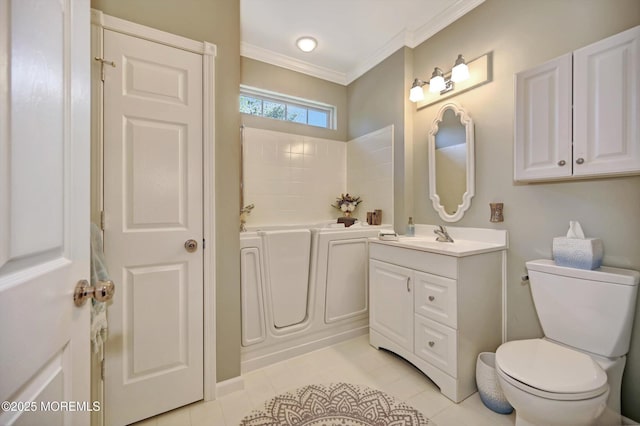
(244, 212)
(443, 235)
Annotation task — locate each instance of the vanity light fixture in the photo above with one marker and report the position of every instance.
(416, 94)
(306, 44)
(460, 71)
(438, 83)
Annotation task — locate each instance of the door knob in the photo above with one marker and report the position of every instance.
(580, 161)
(561, 163)
(191, 245)
(102, 292)
(431, 343)
(432, 298)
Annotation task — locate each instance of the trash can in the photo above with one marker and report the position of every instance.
(488, 386)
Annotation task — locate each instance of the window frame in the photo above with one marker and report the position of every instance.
(306, 104)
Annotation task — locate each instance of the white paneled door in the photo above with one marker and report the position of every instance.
(44, 211)
(153, 227)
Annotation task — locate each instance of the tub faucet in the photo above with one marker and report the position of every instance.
(443, 235)
(244, 212)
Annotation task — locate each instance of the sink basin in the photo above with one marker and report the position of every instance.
(458, 248)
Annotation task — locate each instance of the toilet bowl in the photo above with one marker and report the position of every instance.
(551, 385)
(573, 375)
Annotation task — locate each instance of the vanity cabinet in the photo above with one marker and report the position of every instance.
(391, 305)
(437, 311)
(578, 115)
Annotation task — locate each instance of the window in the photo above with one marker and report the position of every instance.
(287, 108)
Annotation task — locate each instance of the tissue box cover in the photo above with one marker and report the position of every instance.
(579, 253)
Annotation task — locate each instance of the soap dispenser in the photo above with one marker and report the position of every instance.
(411, 228)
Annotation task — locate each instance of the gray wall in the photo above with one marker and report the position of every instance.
(218, 22)
(522, 34)
(377, 99)
(281, 80)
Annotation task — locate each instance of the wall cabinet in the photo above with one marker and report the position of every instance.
(437, 311)
(578, 115)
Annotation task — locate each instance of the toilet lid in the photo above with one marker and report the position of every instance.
(550, 367)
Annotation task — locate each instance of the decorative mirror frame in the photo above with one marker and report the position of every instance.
(467, 122)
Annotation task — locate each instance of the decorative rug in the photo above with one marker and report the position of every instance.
(339, 404)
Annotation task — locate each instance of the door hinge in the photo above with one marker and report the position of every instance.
(103, 62)
(102, 220)
(204, 244)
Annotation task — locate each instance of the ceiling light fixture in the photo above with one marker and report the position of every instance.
(306, 44)
(438, 83)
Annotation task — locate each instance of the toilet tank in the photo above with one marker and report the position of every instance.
(588, 310)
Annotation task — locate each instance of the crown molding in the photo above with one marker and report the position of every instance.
(398, 41)
(403, 38)
(442, 20)
(274, 58)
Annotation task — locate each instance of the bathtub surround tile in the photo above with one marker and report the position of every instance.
(278, 166)
(310, 147)
(292, 178)
(370, 172)
(353, 361)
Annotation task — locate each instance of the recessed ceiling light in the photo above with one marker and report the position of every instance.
(306, 44)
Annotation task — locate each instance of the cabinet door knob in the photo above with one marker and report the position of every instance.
(561, 163)
(580, 161)
(431, 343)
(432, 298)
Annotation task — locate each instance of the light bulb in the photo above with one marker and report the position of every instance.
(416, 94)
(436, 84)
(460, 71)
(306, 44)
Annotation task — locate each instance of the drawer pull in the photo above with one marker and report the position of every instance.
(431, 343)
(432, 298)
(408, 288)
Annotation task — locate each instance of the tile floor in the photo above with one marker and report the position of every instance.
(353, 361)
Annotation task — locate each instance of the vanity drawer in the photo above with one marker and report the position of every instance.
(437, 264)
(436, 344)
(435, 298)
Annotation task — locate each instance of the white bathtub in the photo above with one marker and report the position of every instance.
(297, 298)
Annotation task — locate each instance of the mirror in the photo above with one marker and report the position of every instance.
(451, 162)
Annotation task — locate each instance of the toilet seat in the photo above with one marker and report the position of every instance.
(549, 370)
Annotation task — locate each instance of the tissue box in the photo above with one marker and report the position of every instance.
(579, 253)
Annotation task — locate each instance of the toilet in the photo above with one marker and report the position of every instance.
(571, 376)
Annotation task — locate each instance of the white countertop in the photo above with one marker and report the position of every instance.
(477, 241)
(459, 248)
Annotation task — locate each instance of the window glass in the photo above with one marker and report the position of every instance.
(250, 105)
(273, 110)
(318, 118)
(282, 107)
(297, 114)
